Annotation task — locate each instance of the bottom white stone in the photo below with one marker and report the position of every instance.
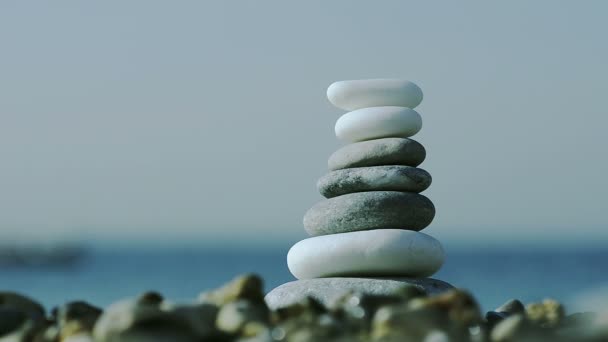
(378, 252)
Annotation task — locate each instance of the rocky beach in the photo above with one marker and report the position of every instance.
(237, 312)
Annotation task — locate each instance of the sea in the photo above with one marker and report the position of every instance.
(577, 277)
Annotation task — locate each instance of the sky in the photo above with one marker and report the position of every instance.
(206, 120)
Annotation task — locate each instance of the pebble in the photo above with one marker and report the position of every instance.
(329, 291)
(460, 306)
(248, 286)
(547, 313)
(369, 210)
(517, 328)
(386, 151)
(378, 122)
(512, 306)
(233, 316)
(508, 329)
(11, 320)
(20, 317)
(302, 306)
(356, 94)
(399, 323)
(379, 252)
(12, 300)
(359, 305)
(374, 178)
(75, 318)
(200, 316)
(130, 320)
(509, 308)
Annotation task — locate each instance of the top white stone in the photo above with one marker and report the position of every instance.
(357, 94)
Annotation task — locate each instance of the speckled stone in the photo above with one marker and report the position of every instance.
(374, 178)
(329, 290)
(387, 151)
(369, 210)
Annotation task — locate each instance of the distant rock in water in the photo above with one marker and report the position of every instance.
(32, 255)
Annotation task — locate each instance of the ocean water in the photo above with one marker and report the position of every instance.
(180, 273)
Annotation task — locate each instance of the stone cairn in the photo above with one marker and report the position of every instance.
(365, 236)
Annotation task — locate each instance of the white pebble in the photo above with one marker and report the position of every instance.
(378, 122)
(356, 94)
(379, 252)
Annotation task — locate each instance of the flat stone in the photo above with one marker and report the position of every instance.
(378, 252)
(378, 122)
(387, 151)
(369, 210)
(356, 94)
(374, 178)
(329, 290)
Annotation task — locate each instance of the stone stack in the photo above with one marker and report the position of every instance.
(365, 236)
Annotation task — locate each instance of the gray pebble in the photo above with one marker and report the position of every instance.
(369, 210)
(11, 320)
(386, 151)
(130, 320)
(328, 291)
(374, 178)
(21, 303)
(513, 306)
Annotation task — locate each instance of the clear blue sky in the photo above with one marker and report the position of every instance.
(209, 119)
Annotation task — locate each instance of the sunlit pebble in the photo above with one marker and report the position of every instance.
(474, 330)
(436, 336)
(278, 334)
(357, 312)
(354, 301)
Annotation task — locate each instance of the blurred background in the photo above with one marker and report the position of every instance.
(172, 145)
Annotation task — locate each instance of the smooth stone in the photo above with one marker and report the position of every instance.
(75, 318)
(377, 152)
(369, 210)
(129, 320)
(13, 300)
(329, 290)
(11, 320)
(513, 306)
(356, 94)
(200, 316)
(374, 178)
(233, 316)
(247, 286)
(378, 122)
(510, 329)
(379, 252)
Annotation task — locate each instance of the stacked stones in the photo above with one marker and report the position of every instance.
(368, 227)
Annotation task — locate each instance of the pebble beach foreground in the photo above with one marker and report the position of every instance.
(237, 312)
